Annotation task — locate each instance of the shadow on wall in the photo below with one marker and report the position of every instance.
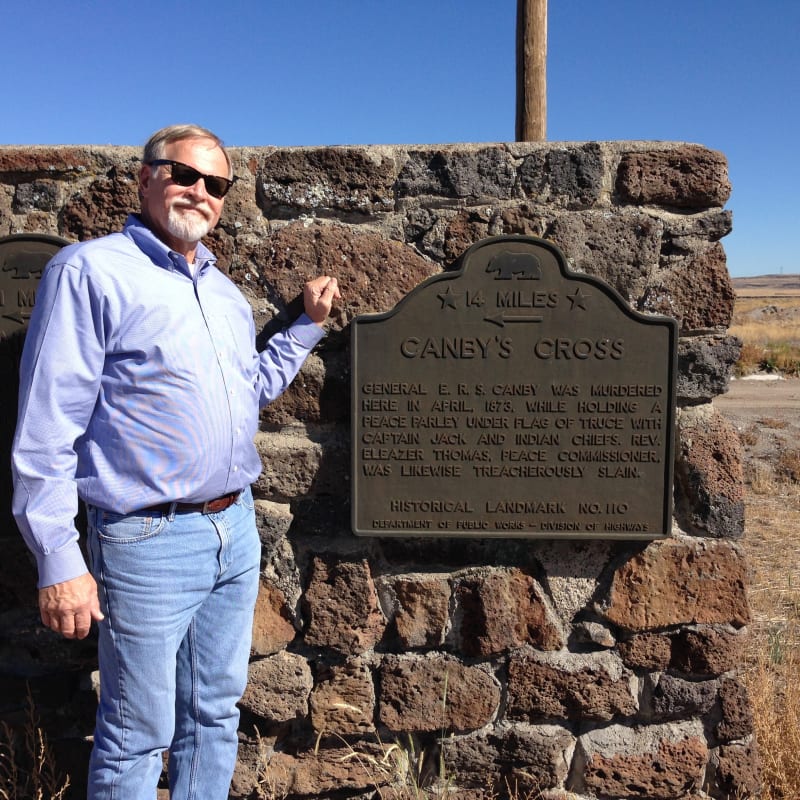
(34, 661)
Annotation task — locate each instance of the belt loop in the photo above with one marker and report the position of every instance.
(171, 513)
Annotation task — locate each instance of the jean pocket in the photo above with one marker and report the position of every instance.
(245, 498)
(128, 528)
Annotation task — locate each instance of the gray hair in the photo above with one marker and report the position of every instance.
(157, 143)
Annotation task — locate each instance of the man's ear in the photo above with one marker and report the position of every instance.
(145, 174)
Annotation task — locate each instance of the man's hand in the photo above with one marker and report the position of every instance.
(318, 297)
(69, 607)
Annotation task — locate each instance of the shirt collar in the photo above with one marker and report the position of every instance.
(159, 253)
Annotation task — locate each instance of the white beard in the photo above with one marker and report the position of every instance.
(188, 227)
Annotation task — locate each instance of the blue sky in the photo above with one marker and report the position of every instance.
(722, 73)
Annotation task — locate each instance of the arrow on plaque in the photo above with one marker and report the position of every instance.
(502, 319)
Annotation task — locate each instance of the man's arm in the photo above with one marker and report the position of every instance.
(286, 351)
(59, 381)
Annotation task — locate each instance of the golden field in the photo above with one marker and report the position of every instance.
(767, 320)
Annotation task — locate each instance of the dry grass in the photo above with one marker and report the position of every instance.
(768, 323)
(27, 769)
(773, 668)
(767, 319)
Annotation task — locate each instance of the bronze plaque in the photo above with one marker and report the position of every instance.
(22, 260)
(513, 398)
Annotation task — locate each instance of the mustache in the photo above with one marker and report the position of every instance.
(202, 207)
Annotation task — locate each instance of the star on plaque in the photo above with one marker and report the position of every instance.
(577, 300)
(449, 298)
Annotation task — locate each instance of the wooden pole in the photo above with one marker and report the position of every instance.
(531, 123)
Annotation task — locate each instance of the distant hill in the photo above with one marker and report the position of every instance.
(761, 284)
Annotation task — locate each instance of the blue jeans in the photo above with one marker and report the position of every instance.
(178, 592)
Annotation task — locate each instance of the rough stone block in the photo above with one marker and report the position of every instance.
(568, 176)
(272, 625)
(302, 463)
(342, 606)
(737, 773)
(273, 521)
(535, 759)
(435, 694)
(63, 162)
(326, 772)
(500, 610)
(704, 367)
(698, 292)
(622, 249)
(686, 176)
(706, 651)
(42, 195)
(326, 179)
(278, 687)
(737, 714)
(660, 762)
(678, 582)
(102, 207)
(688, 233)
(591, 633)
(646, 651)
(709, 477)
(422, 610)
(569, 686)
(472, 172)
(675, 698)
(291, 462)
(462, 231)
(343, 700)
(522, 760)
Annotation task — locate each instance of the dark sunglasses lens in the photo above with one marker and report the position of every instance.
(216, 187)
(185, 175)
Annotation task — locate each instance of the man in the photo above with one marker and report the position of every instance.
(140, 390)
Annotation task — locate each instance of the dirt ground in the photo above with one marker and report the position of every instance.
(750, 398)
(771, 406)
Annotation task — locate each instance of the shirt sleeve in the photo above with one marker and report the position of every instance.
(60, 373)
(283, 356)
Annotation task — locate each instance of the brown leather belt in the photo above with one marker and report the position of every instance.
(209, 507)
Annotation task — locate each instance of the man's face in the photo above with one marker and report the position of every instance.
(182, 215)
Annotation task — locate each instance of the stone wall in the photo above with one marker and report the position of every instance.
(582, 669)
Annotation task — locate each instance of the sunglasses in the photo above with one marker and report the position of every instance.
(184, 175)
